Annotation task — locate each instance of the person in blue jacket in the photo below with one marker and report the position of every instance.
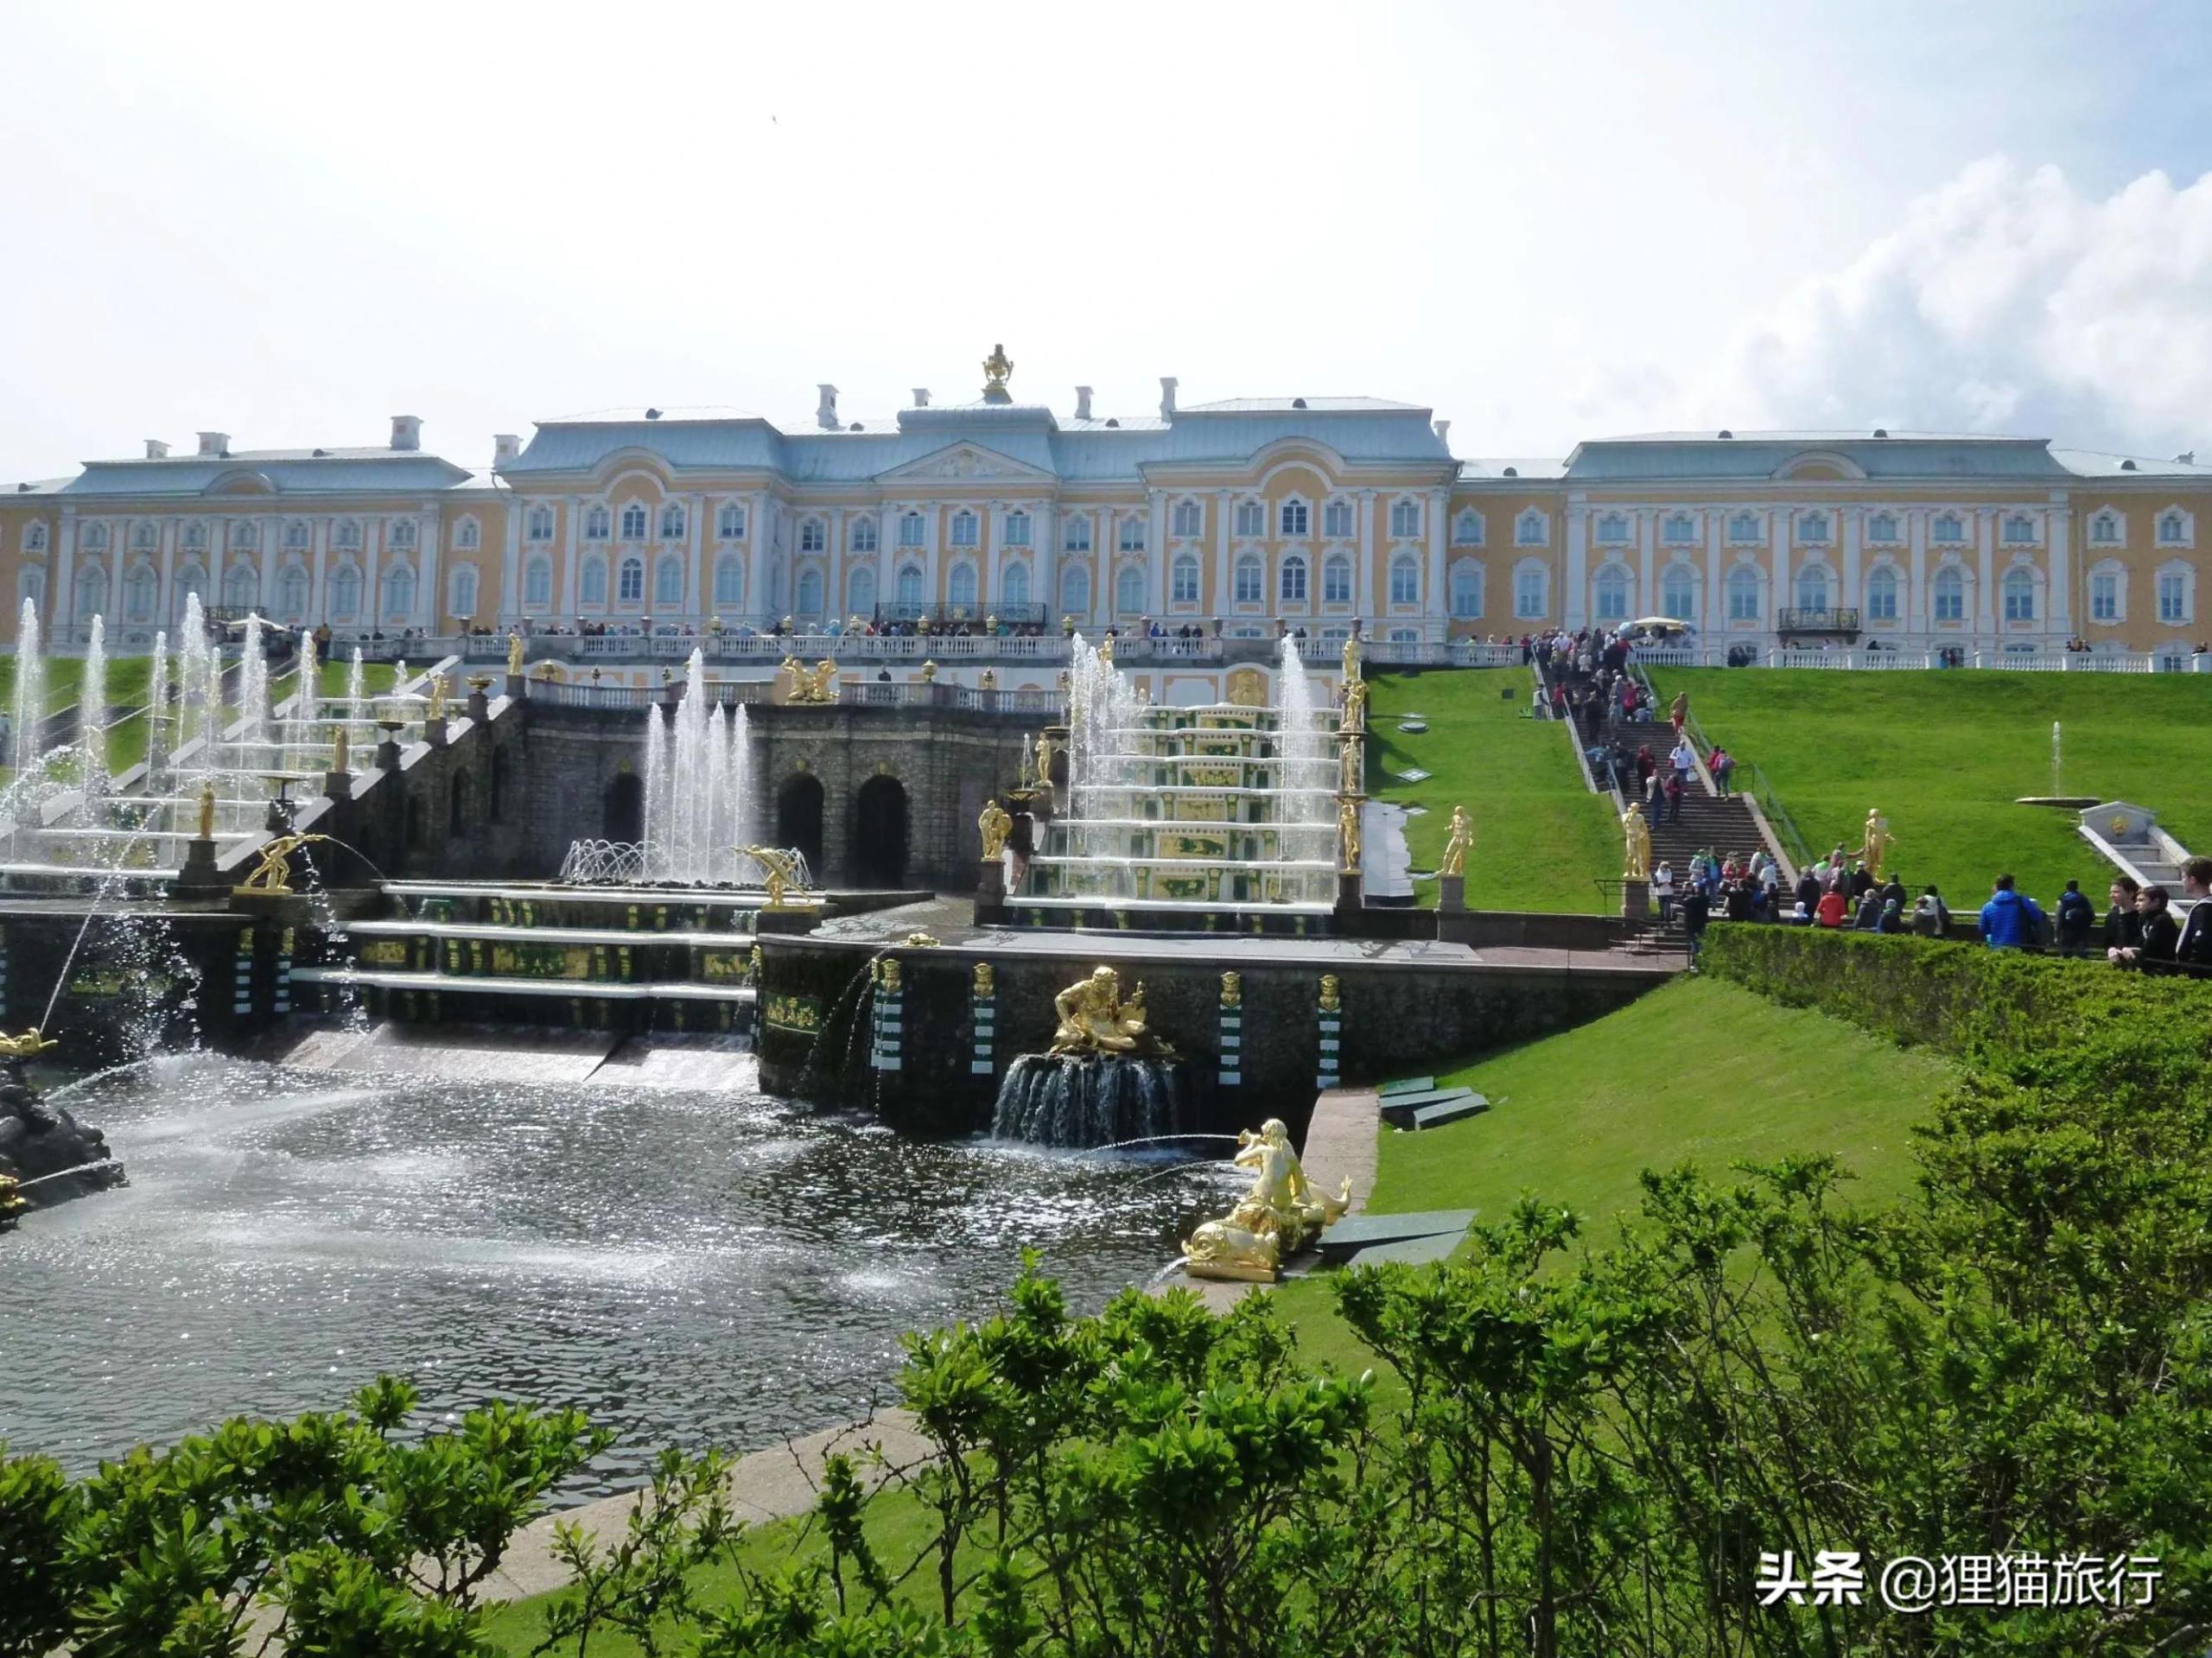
(2010, 920)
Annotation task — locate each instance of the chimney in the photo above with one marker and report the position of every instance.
(505, 446)
(217, 444)
(1167, 396)
(1444, 435)
(156, 450)
(406, 431)
(825, 412)
(1082, 402)
(921, 397)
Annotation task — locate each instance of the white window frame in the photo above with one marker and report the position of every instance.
(1128, 590)
(1189, 520)
(2017, 529)
(1533, 528)
(1743, 529)
(1465, 575)
(1679, 570)
(673, 521)
(1018, 529)
(1897, 587)
(1251, 519)
(628, 563)
(1526, 607)
(967, 530)
(195, 539)
(1250, 581)
(730, 521)
(863, 536)
(1952, 576)
(594, 581)
(1405, 520)
(1816, 528)
(1405, 580)
(1678, 529)
(2111, 572)
(537, 581)
(1183, 579)
(635, 524)
(1336, 580)
(1293, 564)
(1075, 534)
(1338, 521)
(913, 530)
(2175, 526)
(813, 536)
(667, 592)
(1936, 523)
(730, 591)
(1013, 584)
(1128, 534)
(538, 527)
(459, 576)
(34, 537)
(2117, 521)
(1879, 537)
(963, 584)
(1614, 529)
(599, 522)
(468, 537)
(1612, 579)
(2181, 571)
(2019, 579)
(1294, 514)
(1743, 592)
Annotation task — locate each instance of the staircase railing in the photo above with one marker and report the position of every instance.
(1777, 816)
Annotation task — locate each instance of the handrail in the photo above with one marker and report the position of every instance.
(1778, 818)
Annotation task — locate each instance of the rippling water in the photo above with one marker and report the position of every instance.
(693, 1269)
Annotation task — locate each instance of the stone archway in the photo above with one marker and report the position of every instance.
(879, 835)
(798, 819)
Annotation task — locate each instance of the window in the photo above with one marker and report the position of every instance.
(1250, 587)
(1128, 590)
(538, 526)
(1188, 519)
(2104, 596)
(729, 522)
(1466, 589)
(1882, 527)
(813, 536)
(1014, 584)
(1467, 529)
(292, 594)
(1947, 529)
(1336, 581)
(466, 536)
(191, 582)
(34, 537)
(1335, 521)
(1017, 528)
(963, 529)
(2104, 529)
(1295, 517)
(1743, 528)
(1405, 520)
(1813, 528)
(729, 581)
(2019, 591)
(810, 592)
(1612, 529)
(195, 536)
(668, 581)
(94, 538)
(859, 593)
(1678, 592)
(593, 588)
(2019, 527)
(1678, 527)
(146, 536)
(1531, 591)
(243, 536)
(1882, 595)
(909, 585)
(1075, 536)
(32, 584)
(138, 592)
(861, 537)
(460, 592)
(1532, 528)
(1743, 593)
(960, 586)
(241, 586)
(399, 592)
(2173, 595)
(1813, 588)
(633, 521)
(297, 539)
(672, 521)
(1950, 591)
(1405, 580)
(1251, 518)
(598, 524)
(1075, 589)
(2174, 528)
(910, 531)
(1612, 594)
(1291, 581)
(630, 581)
(1132, 536)
(92, 593)
(537, 583)
(1183, 581)
(344, 593)
(346, 534)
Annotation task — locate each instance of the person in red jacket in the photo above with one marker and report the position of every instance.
(1834, 908)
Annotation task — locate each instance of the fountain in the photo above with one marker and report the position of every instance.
(699, 791)
(43, 1147)
(1107, 1078)
(1275, 1219)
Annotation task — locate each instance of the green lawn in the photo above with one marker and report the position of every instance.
(1542, 839)
(1945, 754)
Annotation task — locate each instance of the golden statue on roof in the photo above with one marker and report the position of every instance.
(998, 367)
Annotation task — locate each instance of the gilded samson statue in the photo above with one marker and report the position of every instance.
(1095, 1019)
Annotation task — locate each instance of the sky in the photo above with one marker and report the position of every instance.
(1545, 221)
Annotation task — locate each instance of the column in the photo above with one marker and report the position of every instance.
(571, 544)
(1985, 606)
(429, 570)
(1778, 546)
(61, 594)
(1102, 557)
(886, 557)
(1045, 588)
(1155, 550)
(1916, 605)
(834, 592)
(933, 554)
(510, 574)
(1222, 594)
(272, 537)
(219, 538)
(1574, 602)
(2060, 520)
(318, 569)
(373, 532)
(1366, 519)
(1433, 596)
(1850, 519)
(1647, 546)
(1715, 619)
(170, 531)
(695, 551)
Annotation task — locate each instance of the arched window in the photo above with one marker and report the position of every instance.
(34, 537)
(1467, 528)
(909, 585)
(345, 594)
(861, 537)
(541, 523)
(1679, 527)
(243, 536)
(813, 536)
(148, 535)
(1295, 517)
(2104, 529)
(190, 581)
(31, 584)
(729, 522)
(1743, 594)
(1744, 527)
(537, 582)
(2019, 527)
(292, 594)
(1405, 521)
(1183, 580)
(1075, 534)
(859, 593)
(591, 589)
(139, 589)
(672, 521)
(2177, 592)
(1075, 589)
(1813, 528)
(93, 539)
(912, 531)
(1882, 595)
(1250, 587)
(1947, 529)
(1335, 521)
(403, 535)
(633, 521)
(964, 528)
(1336, 580)
(91, 592)
(1813, 588)
(598, 524)
(2019, 591)
(1405, 579)
(241, 586)
(1132, 536)
(1251, 518)
(2172, 528)
(296, 535)
(1950, 592)
(960, 586)
(1532, 528)
(729, 581)
(1531, 590)
(1190, 518)
(399, 592)
(1678, 592)
(1128, 590)
(346, 534)
(2108, 591)
(668, 581)
(630, 581)
(1882, 527)
(468, 536)
(1613, 587)
(1017, 528)
(460, 592)
(1291, 582)
(1612, 529)
(810, 592)
(1467, 590)
(195, 535)
(1014, 584)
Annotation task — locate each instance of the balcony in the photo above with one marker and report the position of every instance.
(1825, 621)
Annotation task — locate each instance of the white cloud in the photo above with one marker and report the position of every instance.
(2006, 300)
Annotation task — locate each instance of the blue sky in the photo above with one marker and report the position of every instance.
(1550, 222)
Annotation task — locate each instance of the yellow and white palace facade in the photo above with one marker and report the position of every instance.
(1237, 517)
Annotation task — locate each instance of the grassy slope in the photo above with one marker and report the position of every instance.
(1946, 754)
(1540, 837)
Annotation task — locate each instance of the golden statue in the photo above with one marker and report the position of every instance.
(1272, 1222)
(514, 653)
(1351, 660)
(29, 1046)
(1094, 1019)
(1044, 760)
(778, 869)
(929, 673)
(437, 709)
(1106, 651)
(920, 940)
(1637, 834)
(998, 368)
(1355, 705)
(996, 824)
(207, 810)
(886, 977)
(815, 684)
(1353, 770)
(1875, 847)
(989, 682)
(1457, 844)
(272, 876)
(985, 987)
(1331, 994)
(1348, 835)
(1232, 990)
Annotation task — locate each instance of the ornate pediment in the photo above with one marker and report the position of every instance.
(963, 461)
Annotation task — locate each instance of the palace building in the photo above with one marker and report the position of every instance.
(1316, 512)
